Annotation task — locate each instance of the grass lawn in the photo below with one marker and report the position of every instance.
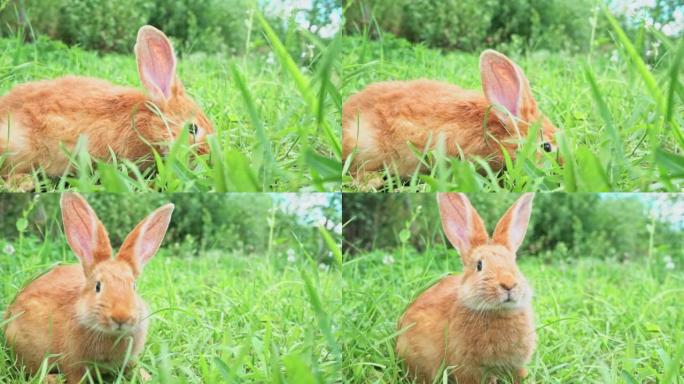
(621, 124)
(216, 318)
(597, 321)
(278, 130)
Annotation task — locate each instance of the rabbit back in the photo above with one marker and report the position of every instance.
(37, 118)
(378, 122)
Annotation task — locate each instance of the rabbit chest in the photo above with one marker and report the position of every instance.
(492, 340)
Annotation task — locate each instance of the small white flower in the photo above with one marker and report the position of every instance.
(614, 58)
(667, 259)
(330, 254)
(388, 260)
(8, 249)
(270, 59)
(291, 258)
(323, 267)
(669, 265)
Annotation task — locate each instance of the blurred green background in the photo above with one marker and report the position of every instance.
(246, 223)
(563, 226)
(511, 25)
(194, 25)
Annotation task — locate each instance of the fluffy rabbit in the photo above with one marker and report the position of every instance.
(478, 325)
(87, 313)
(37, 118)
(379, 122)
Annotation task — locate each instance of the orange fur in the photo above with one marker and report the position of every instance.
(62, 316)
(37, 118)
(477, 325)
(379, 122)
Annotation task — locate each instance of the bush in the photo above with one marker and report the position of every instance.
(562, 225)
(201, 221)
(477, 24)
(111, 25)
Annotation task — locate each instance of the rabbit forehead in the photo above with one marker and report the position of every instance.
(493, 253)
(112, 271)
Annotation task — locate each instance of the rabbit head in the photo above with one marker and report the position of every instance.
(157, 70)
(505, 85)
(108, 302)
(491, 279)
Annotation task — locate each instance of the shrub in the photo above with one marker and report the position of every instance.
(477, 24)
(111, 25)
(575, 225)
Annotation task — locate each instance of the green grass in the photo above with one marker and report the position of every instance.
(218, 317)
(597, 320)
(277, 119)
(621, 121)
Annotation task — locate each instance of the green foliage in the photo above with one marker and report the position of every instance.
(202, 25)
(562, 225)
(617, 129)
(299, 123)
(246, 223)
(596, 320)
(476, 24)
(218, 317)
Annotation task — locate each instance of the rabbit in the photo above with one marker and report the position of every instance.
(38, 118)
(479, 324)
(88, 313)
(379, 122)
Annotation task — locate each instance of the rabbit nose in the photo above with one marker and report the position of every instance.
(120, 318)
(508, 285)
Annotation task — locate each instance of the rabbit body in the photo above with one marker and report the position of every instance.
(88, 314)
(51, 315)
(40, 120)
(478, 325)
(379, 122)
(37, 118)
(472, 343)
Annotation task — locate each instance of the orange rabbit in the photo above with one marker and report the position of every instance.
(87, 313)
(380, 121)
(478, 325)
(37, 118)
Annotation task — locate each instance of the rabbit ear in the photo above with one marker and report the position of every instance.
(144, 241)
(510, 231)
(462, 225)
(156, 62)
(85, 233)
(504, 83)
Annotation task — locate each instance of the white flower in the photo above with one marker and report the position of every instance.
(270, 59)
(330, 254)
(667, 259)
(291, 255)
(8, 249)
(388, 260)
(614, 58)
(324, 267)
(669, 265)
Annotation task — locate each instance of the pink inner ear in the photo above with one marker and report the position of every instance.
(158, 64)
(502, 85)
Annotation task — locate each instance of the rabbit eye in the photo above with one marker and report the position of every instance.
(546, 146)
(193, 129)
(479, 265)
(98, 286)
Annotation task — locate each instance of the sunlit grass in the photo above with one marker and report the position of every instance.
(217, 317)
(597, 320)
(620, 120)
(277, 118)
